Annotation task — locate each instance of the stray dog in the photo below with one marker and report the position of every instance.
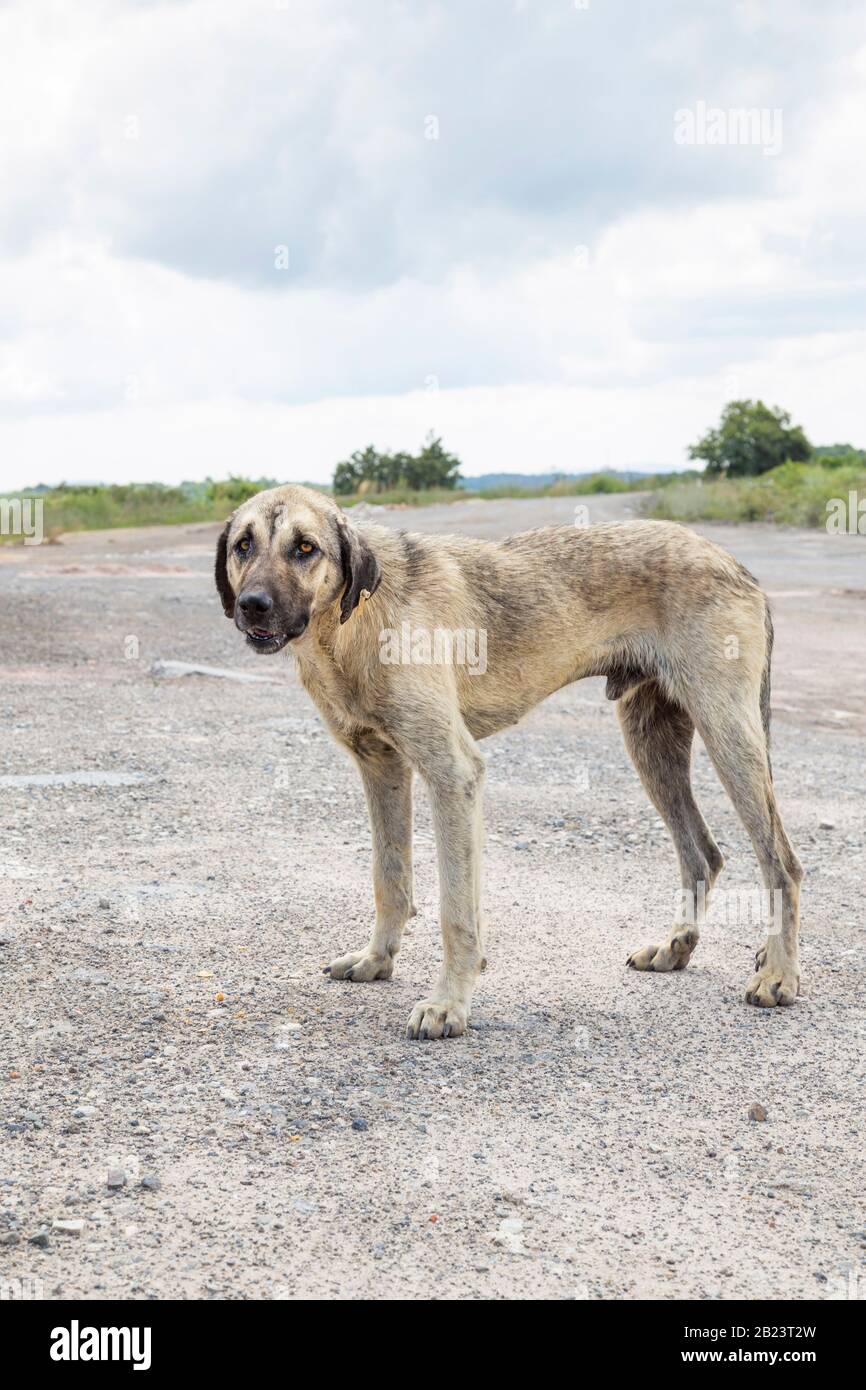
(681, 631)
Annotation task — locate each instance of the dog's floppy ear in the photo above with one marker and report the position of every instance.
(360, 568)
(224, 588)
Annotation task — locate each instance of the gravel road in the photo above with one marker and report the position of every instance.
(191, 1109)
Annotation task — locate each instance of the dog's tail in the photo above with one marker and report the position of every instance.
(765, 681)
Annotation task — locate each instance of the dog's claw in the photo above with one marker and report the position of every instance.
(446, 1031)
(326, 970)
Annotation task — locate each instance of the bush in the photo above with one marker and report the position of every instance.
(232, 491)
(795, 494)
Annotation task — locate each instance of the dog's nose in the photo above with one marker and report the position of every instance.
(255, 603)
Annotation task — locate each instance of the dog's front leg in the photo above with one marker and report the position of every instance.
(387, 779)
(455, 785)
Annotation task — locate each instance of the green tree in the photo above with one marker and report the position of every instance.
(751, 438)
(838, 455)
(362, 466)
(434, 466)
(431, 467)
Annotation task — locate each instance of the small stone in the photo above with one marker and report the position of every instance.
(360, 1123)
(104, 903)
(84, 1112)
(116, 1178)
(827, 825)
(303, 1206)
(40, 1239)
(757, 1111)
(150, 1183)
(68, 1228)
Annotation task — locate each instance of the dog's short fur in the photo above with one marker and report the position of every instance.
(681, 631)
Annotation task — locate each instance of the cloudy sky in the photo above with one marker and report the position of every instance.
(252, 235)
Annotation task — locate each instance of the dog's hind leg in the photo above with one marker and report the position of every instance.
(737, 745)
(658, 735)
(387, 779)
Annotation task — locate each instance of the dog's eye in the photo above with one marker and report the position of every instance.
(306, 548)
(244, 546)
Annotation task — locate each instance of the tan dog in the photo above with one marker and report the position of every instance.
(650, 605)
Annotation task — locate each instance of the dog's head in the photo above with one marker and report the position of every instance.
(286, 556)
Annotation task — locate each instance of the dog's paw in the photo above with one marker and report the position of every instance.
(437, 1018)
(670, 955)
(772, 987)
(361, 966)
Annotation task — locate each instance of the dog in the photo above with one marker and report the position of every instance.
(680, 630)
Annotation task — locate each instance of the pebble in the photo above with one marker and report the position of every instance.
(150, 1183)
(116, 1178)
(68, 1228)
(40, 1239)
(84, 1112)
(757, 1111)
(360, 1123)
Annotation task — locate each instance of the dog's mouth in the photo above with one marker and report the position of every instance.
(264, 641)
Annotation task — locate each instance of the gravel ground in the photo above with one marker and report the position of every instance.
(210, 1117)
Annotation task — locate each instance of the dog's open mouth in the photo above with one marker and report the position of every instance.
(265, 641)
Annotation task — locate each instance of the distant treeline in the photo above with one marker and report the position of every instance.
(758, 466)
(100, 506)
(369, 471)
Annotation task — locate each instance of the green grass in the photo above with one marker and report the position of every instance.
(794, 494)
(102, 507)
(564, 487)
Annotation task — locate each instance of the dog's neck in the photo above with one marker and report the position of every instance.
(332, 641)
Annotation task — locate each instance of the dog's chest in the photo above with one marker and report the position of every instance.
(341, 700)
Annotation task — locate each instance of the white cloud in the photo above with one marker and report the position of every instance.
(145, 331)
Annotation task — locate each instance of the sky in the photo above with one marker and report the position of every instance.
(252, 237)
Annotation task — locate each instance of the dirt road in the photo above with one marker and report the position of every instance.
(209, 1117)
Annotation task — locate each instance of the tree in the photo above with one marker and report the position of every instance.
(432, 467)
(751, 438)
(838, 455)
